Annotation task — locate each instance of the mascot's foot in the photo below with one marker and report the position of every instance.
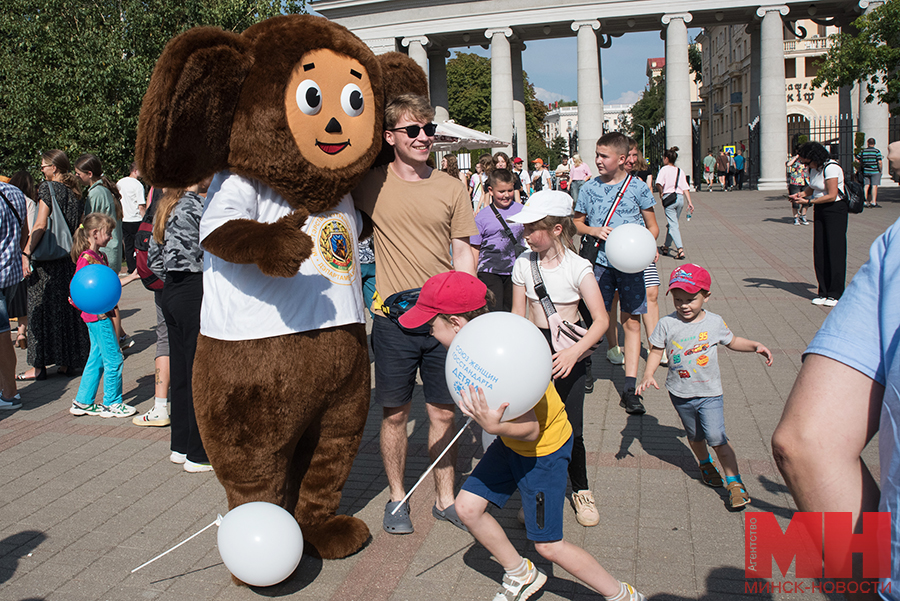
(339, 537)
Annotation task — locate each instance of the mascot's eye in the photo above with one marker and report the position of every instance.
(309, 97)
(352, 100)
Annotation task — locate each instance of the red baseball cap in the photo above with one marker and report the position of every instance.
(691, 278)
(449, 293)
(517, 160)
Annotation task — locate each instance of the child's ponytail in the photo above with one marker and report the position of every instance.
(81, 239)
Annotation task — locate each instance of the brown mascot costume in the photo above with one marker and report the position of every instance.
(289, 116)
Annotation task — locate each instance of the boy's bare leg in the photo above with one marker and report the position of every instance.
(651, 317)
(612, 330)
(161, 384)
(579, 563)
(441, 429)
(727, 459)
(394, 445)
(472, 510)
(632, 326)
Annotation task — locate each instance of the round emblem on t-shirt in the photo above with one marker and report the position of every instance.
(333, 256)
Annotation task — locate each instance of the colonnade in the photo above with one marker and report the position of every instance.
(767, 85)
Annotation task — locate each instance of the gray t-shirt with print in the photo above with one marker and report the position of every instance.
(692, 351)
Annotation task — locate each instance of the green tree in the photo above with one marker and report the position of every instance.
(695, 60)
(650, 110)
(871, 53)
(73, 72)
(469, 97)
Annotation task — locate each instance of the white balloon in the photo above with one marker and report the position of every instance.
(630, 248)
(506, 356)
(260, 543)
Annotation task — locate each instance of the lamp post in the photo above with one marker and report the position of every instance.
(643, 140)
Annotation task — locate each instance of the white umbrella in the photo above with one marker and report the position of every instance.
(451, 136)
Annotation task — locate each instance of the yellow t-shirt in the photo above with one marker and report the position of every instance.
(555, 427)
(414, 223)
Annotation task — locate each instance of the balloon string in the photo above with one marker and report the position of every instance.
(431, 467)
(216, 523)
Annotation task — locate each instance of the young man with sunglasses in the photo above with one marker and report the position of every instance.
(423, 219)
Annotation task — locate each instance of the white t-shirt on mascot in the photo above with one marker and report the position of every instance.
(242, 303)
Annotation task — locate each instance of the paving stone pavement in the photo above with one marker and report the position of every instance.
(85, 500)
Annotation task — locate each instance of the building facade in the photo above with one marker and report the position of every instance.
(563, 122)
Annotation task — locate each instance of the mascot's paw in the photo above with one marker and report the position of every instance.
(295, 246)
(339, 537)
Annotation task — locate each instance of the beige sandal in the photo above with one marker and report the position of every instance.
(738, 496)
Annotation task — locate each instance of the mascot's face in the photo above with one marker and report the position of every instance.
(330, 105)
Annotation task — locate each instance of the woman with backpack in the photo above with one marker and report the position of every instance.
(830, 210)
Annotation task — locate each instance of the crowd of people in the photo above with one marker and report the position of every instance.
(446, 248)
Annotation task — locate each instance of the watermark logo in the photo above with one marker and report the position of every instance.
(822, 544)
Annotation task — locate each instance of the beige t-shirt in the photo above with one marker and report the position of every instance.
(414, 223)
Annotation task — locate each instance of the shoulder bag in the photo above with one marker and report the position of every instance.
(672, 197)
(590, 245)
(57, 239)
(563, 334)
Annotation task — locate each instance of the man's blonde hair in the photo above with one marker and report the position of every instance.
(416, 107)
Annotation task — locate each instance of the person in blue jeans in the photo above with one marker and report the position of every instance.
(105, 360)
(672, 179)
(690, 337)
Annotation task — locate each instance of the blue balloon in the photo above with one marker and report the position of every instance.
(95, 289)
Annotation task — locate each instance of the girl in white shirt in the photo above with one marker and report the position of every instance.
(568, 278)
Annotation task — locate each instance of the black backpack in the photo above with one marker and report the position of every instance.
(142, 248)
(852, 193)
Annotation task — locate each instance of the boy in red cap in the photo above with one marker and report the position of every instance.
(690, 337)
(531, 454)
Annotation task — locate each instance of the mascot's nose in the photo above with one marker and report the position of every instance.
(333, 127)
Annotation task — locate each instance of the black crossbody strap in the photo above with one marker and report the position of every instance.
(618, 200)
(12, 208)
(506, 228)
(539, 288)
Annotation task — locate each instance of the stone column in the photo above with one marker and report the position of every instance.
(437, 79)
(501, 86)
(590, 101)
(874, 116)
(772, 102)
(678, 89)
(417, 52)
(518, 86)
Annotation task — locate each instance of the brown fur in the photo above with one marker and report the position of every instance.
(281, 418)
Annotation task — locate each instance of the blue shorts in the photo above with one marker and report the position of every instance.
(6, 296)
(501, 471)
(631, 287)
(398, 356)
(703, 418)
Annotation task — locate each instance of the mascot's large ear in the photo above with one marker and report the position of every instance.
(400, 75)
(187, 113)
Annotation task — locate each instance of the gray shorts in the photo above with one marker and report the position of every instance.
(872, 180)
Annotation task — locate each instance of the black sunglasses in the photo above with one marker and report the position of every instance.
(413, 130)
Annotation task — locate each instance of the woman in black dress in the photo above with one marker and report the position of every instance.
(56, 333)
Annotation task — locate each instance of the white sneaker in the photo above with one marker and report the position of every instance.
(615, 356)
(118, 410)
(819, 300)
(196, 468)
(177, 457)
(9, 405)
(157, 416)
(830, 302)
(514, 589)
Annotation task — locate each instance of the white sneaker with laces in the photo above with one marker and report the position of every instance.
(830, 302)
(177, 457)
(615, 356)
(118, 410)
(157, 416)
(514, 589)
(819, 300)
(586, 512)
